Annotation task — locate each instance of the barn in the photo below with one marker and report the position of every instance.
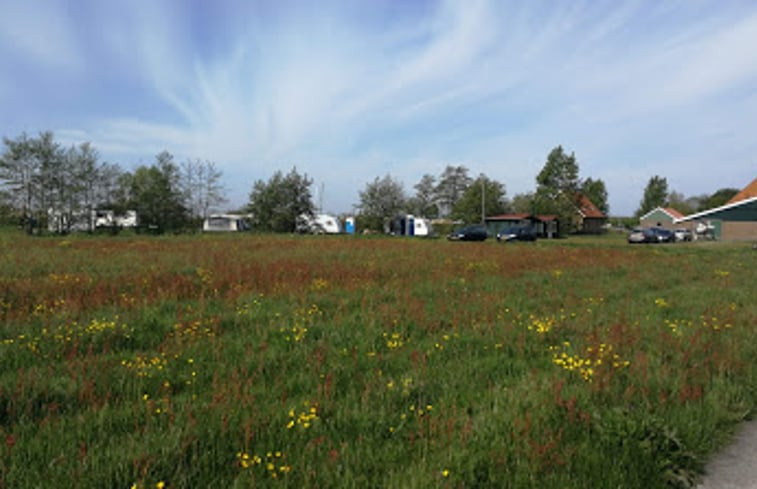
(734, 221)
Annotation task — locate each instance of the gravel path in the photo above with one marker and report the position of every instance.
(736, 466)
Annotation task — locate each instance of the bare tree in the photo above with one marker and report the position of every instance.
(201, 186)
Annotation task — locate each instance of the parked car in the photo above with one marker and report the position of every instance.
(642, 235)
(683, 234)
(520, 233)
(664, 235)
(469, 233)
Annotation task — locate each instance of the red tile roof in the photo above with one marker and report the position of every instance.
(587, 207)
(748, 192)
(546, 217)
(674, 213)
(508, 217)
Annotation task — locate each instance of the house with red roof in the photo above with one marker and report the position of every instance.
(660, 217)
(589, 219)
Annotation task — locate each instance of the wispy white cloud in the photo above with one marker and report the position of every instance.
(721, 61)
(129, 137)
(42, 33)
(347, 97)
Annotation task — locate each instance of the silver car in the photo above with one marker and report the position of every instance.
(642, 235)
(682, 234)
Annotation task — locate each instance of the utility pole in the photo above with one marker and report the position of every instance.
(320, 197)
(483, 199)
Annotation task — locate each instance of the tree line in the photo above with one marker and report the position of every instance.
(455, 195)
(657, 194)
(41, 179)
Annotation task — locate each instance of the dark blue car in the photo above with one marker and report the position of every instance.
(518, 233)
(664, 235)
(469, 233)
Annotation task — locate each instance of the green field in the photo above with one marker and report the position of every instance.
(270, 361)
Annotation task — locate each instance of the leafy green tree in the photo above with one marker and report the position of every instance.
(423, 203)
(720, 197)
(381, 200)
(557, 188)
(155, 194)
(8, 214)
(453, 182)
(276, 204)
(679, 202)
(523, 203)
(596, 191)
(469, 207)
(655, 195)
(559, 174)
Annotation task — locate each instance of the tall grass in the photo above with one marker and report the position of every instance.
(257, 361)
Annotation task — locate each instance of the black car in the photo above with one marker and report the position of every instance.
(469, 233)
(664, 235)
(522, 233)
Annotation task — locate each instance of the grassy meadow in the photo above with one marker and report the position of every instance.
(317, 361)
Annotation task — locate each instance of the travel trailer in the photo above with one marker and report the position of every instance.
(409, 225)
(225, 223)
(85, 221)
(318, 224)
(109, 219)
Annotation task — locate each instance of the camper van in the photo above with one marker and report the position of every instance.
(409, 225)
(225, 223)
(318, 224)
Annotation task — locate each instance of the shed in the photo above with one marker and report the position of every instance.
(546, 226)
(498, 223)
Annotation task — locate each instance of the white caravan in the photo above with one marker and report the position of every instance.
(319, 224)
(85, 221)
(225, 223)
(409, 225)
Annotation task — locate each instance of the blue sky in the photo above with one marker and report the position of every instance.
(351, 90)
